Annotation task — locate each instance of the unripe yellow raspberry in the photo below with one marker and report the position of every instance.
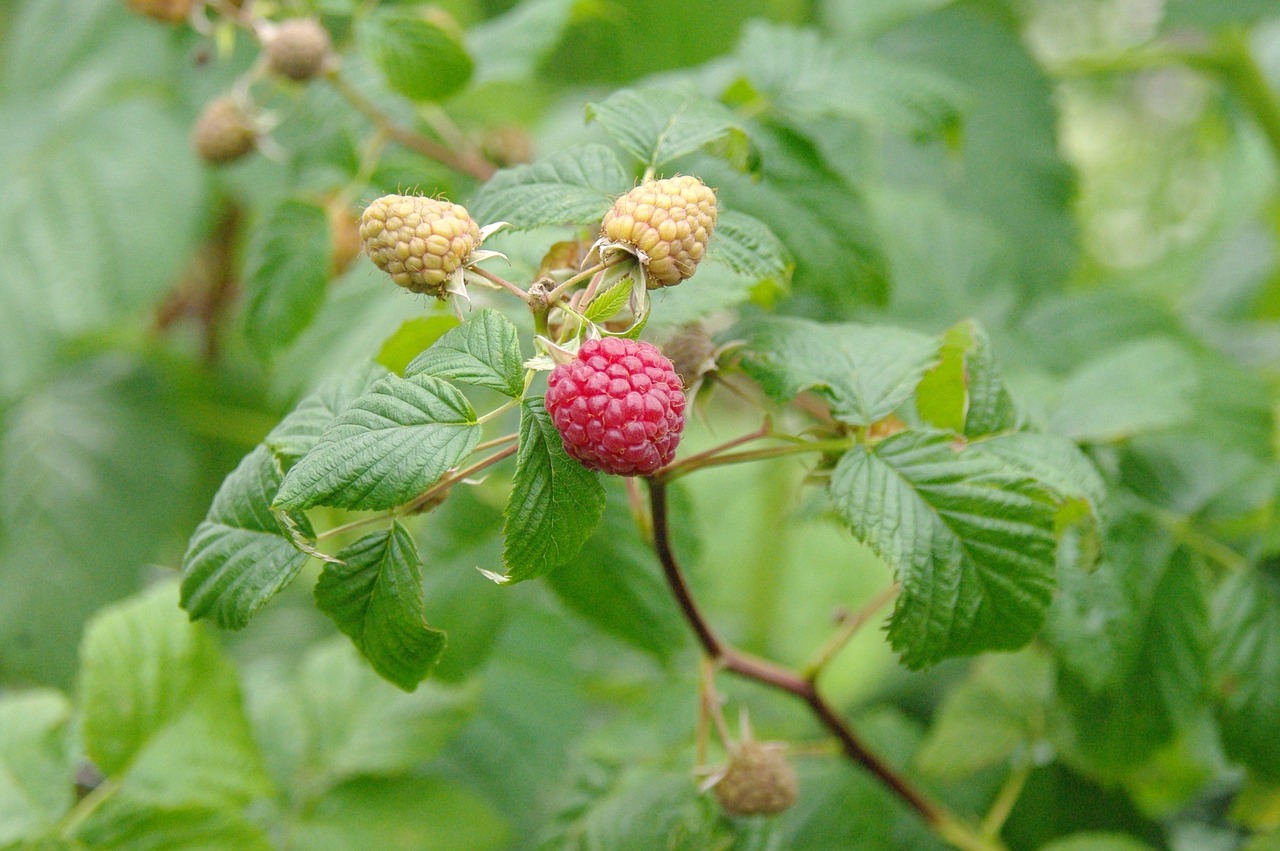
(224, 132)
(169, 11)
(298, 48)
(420, 242)
(667, 223)
(758, 781)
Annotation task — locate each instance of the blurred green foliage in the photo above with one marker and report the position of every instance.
(1091, 179)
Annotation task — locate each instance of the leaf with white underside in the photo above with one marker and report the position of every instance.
(483, 351)
(390, 445)
(240, 556)
(970, 538)
(657, 125)
(864, 371)
(555, 502)
(298, 433)
(374, 594)
(573, 187)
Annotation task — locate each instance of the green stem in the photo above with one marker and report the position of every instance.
(848, 628)
(465, 163)
(1005, 800)
(1186, 534)
(500, 281)
(1243, 74)
(87, 805)
(554, 295)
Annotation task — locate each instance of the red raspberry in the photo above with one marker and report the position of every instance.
(619, 407)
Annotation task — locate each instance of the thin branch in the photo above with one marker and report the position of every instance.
(783, 679)
(440, 487)
(686, 466)
(848, 628)
(560, 289)
(500, 281)
(1005, 800)
(464, 162)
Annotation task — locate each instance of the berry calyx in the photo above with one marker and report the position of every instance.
(298, 48)
(758, 781)
(223, 132)
(422, 243)
(692, 353)
(666, 224)
(169, 11)
(619, 407)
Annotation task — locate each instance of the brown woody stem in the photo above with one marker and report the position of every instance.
(771, 674)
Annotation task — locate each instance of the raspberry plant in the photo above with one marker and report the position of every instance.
(473, 461)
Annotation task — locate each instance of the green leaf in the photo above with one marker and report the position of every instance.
(375, 596)
(160, 708)
(126, 825)
(98, 478)
(947, 264)
(387, 447)
(411, 339)
(964, 393)
(1097, 841)
(35, 763)
(864, 371)
(1246, 667)
(483, 351)
(996, 714)
(615, 583)
(1006, 165)
(511, 46)
(657, 125)
(1142, 386)
(942, 397)
(971, 540)
(83, 135)
(814, 210)
(419, 59)
(555, 502)
(747, 246)
(333, 718)
(802, 76)
(400, 814)
(300, 430)
(607, 304)
(1052, 460)
(286, 274)
(573, 187)
(1160, 680)
(240, 556)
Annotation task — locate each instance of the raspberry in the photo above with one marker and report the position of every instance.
(619, 407)
(758, 781)
(692, 353)
(298, 48)
(667, 224)
(420, 242)
(169, 11)
(224, 132)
